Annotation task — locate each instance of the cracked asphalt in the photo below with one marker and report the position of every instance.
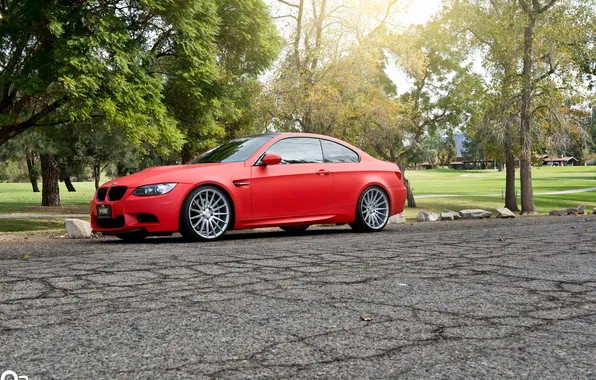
(492, 299)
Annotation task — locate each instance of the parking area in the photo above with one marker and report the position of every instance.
(468, 299)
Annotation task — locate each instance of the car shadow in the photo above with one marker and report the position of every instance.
(233, 236)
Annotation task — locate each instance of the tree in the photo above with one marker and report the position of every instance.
(444, 88)
(324, 34)
(534, 12)
(24, 148)
(543, 36)
(491, 28)
(87, 59)
(244, 44)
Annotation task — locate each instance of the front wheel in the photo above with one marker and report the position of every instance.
(206, 214)
(372, 210)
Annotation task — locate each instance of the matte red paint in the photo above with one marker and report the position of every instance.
(262, 196)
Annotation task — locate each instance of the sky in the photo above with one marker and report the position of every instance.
(418, 12)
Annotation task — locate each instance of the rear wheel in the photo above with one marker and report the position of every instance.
(134, 237)
(206, 214)
(295, 229)
(372, 210)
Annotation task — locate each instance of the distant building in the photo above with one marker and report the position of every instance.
(559, 161)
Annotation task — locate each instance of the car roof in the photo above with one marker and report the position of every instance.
(294, 134)
(280, 135)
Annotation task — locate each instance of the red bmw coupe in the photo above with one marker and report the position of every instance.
(288, 180)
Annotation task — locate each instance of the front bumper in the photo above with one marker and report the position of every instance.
(155, 214)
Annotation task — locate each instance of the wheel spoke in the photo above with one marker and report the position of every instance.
(379, 220)
(197, 223)
(218, 219)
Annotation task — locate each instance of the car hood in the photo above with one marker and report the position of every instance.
(164, 174)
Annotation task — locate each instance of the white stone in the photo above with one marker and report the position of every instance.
(505, 213)
(450, 215)
(475, 214)
(77, 229)
(397, 219)
(427, 217)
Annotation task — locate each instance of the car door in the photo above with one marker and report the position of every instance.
(301, 184)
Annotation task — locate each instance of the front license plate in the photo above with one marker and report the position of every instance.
(104, 211)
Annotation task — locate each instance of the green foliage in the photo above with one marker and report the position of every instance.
(156, 70)
(494, 31)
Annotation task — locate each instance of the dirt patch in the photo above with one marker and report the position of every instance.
(45, 237)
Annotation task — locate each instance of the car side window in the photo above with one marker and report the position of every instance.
(334, 153)
(298, 150)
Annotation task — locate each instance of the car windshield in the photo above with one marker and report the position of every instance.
(237, 150)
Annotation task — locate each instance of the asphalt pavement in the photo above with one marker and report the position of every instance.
(494, 299)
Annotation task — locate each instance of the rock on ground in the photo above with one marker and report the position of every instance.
(450, 215)
(427, 217)
(397, 219)
(475, 214)
(77, 229)
(505, 213)
(581, 209)
(572, 211)
(558, 212)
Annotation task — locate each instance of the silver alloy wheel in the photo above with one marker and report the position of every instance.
(209, 213)
(375, 208)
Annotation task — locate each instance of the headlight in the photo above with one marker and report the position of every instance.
(159, 189)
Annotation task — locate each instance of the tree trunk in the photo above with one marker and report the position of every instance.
(409, 193)
(50, 194)
(186, 155)
(96, 174)
(510, 198)
(33, 174)
(527, 193)
(68, 183)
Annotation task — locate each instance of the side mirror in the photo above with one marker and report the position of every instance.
(271, 159)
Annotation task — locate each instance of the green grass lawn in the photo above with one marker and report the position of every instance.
(17, 198)
(483, 188)
(30, 225)
(477, 189)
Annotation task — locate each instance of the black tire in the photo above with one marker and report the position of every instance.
(188, 228)
(135, 237)
(295, 229)
(361, 224)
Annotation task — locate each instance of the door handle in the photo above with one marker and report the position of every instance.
(323, 172)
